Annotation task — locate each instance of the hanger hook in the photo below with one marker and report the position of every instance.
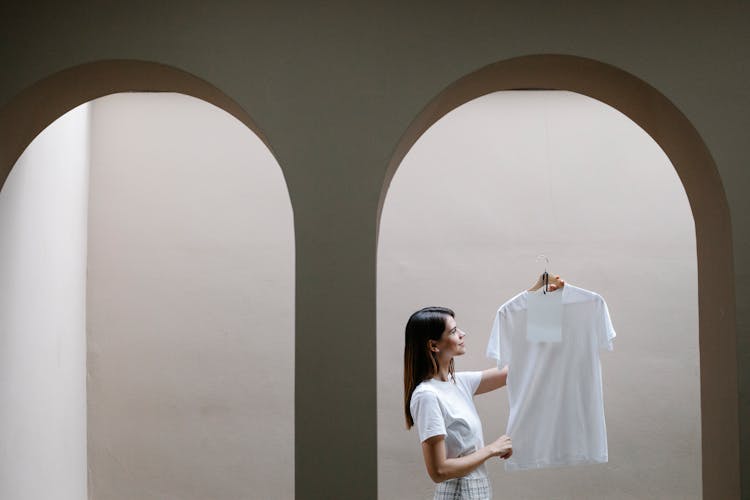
(545, 276)
(542, 256)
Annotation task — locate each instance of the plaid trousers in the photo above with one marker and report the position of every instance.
(464, 488)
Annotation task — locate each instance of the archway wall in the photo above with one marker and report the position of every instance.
(697, 171)
(335, 86)
(37, 106)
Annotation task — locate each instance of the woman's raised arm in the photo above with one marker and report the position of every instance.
(492, 379)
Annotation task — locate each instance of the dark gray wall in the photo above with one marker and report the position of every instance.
(334, 86)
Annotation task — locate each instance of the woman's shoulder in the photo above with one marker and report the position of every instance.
(469, 381)
(424, 387)
(434, 387)
(468, 374)
(424, 394)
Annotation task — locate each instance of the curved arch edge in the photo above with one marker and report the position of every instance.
(37, 106)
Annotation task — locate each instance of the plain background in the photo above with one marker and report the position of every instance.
(190, 305)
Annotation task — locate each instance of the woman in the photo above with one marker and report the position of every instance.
(439, 402)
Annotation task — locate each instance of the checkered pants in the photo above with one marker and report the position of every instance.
(464, 489)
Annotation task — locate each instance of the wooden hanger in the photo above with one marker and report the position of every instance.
(550, 282)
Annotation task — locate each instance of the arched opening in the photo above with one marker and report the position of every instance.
(190, 301)
(38, 106)
(678, 139)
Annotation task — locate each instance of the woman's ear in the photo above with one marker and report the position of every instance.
(433, 346)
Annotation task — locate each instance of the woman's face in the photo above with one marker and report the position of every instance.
(452, 342)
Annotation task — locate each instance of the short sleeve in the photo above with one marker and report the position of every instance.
(469, 381)
(428, 419)
(605, 331)
(498, 347)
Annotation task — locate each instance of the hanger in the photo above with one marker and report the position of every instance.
(545, 278)
(545, 274)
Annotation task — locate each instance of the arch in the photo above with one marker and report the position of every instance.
(37, 106)
(677, 137)
(34, 109)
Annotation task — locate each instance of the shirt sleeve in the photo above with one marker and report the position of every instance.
(469, 381)
(605, 331)
(498, 347)
(428, 419)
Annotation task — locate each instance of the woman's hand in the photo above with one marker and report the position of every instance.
(502, 447)
(554, 283)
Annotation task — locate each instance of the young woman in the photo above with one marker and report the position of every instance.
(438, 401)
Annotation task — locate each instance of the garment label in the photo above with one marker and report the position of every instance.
(544, 316)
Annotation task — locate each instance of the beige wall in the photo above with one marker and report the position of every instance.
(490, 186)
(190, 306)
(43, 316)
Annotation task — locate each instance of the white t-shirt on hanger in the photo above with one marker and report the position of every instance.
(447, 408)
(555, 388)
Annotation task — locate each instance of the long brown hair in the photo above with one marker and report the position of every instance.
(420, 363)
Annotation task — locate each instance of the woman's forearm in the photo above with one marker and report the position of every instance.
(441, 468)
(492, 379)
(452, 468)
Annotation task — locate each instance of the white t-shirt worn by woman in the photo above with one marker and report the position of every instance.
(447, 408)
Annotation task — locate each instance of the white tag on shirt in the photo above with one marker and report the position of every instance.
(544, 316)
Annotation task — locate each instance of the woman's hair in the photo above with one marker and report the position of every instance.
(420, 363)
